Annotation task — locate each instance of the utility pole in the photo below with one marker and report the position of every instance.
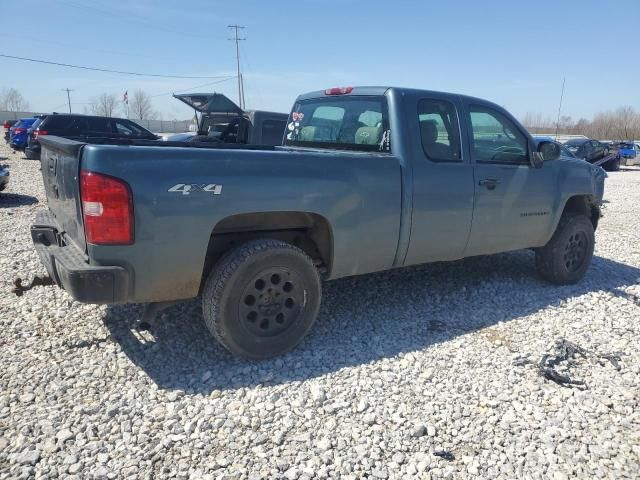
(68, 97)
(560, 107)
(238, 39)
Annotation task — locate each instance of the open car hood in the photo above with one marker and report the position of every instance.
(210, 103)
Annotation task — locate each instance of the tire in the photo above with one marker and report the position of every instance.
(262, 298)
(613, 165)
(566, 257)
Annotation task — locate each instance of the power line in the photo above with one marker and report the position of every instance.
(128, 17)
(237, 39)
(107, 70)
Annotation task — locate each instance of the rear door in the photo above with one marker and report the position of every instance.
(443, 187)
(513, 200)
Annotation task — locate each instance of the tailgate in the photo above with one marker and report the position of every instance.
(60, 165)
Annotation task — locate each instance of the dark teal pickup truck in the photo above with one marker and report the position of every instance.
(367, 179)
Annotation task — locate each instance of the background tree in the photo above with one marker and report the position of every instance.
(104, 105)
(13, 101)
(141, 107)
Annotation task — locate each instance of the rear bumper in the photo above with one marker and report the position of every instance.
(69, 268)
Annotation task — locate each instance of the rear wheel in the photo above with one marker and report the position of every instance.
(261, 299)
(566, 257)
(612, 165)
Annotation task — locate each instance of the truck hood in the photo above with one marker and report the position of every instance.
(210, 103)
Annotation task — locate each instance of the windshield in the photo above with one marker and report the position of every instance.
(340, 122)
(575, 143)
(566, 152)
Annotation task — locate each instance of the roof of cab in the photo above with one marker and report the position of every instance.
(372, 90)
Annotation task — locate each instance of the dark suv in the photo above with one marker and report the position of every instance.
(84, 127)
(590, 150)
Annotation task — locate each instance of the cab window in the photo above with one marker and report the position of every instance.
(496, 139)
(439, 131)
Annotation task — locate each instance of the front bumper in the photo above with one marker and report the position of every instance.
(68, 266)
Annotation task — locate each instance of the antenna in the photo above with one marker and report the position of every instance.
(238, 39)
(560, 107)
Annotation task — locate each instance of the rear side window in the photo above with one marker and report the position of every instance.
(58, 122)
(273, 131)
(95, 124)
(439, 131)
(130, 129)
(340, 122)
(496, 139)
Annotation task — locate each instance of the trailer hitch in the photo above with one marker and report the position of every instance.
(37, 281)
(151, 311)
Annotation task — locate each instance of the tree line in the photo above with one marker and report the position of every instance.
(620, 124)
(106, 104)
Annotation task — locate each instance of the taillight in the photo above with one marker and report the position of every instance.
(107, 207)
(19, 130)
(338, 90)
(39, 133)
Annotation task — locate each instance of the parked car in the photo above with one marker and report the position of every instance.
(368, 179)
(18, 133)
(30, 133)
(84, 127)
(586, 148)
(223, 121)
(4, 177)
(7, 126)
(628, 150)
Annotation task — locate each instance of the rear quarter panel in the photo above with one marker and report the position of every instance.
(358, 194)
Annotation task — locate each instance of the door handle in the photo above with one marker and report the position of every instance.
(490, 183)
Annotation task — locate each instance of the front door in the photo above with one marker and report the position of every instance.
(513, 200)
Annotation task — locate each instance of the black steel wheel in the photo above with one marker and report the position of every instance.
(271, 303)
(261, 299)
(575, 251)
(566, 257)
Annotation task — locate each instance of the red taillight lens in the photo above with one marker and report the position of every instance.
(338, 90)
(19, 130)
(107, 207)
(39, 133)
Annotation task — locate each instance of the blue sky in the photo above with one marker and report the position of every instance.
(511, 52)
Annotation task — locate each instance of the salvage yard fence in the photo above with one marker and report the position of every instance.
(156, 126)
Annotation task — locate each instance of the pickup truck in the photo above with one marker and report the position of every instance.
(220, 120)
(367, 179)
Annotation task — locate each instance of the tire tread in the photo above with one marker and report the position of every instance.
(220, 275)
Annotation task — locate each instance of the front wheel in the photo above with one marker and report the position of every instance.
(566, 257)
(261, 298)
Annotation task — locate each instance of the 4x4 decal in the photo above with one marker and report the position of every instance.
(188, 188)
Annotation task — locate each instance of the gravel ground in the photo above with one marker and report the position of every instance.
(428, 372)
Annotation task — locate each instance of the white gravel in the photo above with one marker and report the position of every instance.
(402, 370)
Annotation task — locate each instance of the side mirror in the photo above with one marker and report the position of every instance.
(549, 150)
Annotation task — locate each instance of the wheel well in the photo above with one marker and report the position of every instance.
(586, 205)
(308, 231)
